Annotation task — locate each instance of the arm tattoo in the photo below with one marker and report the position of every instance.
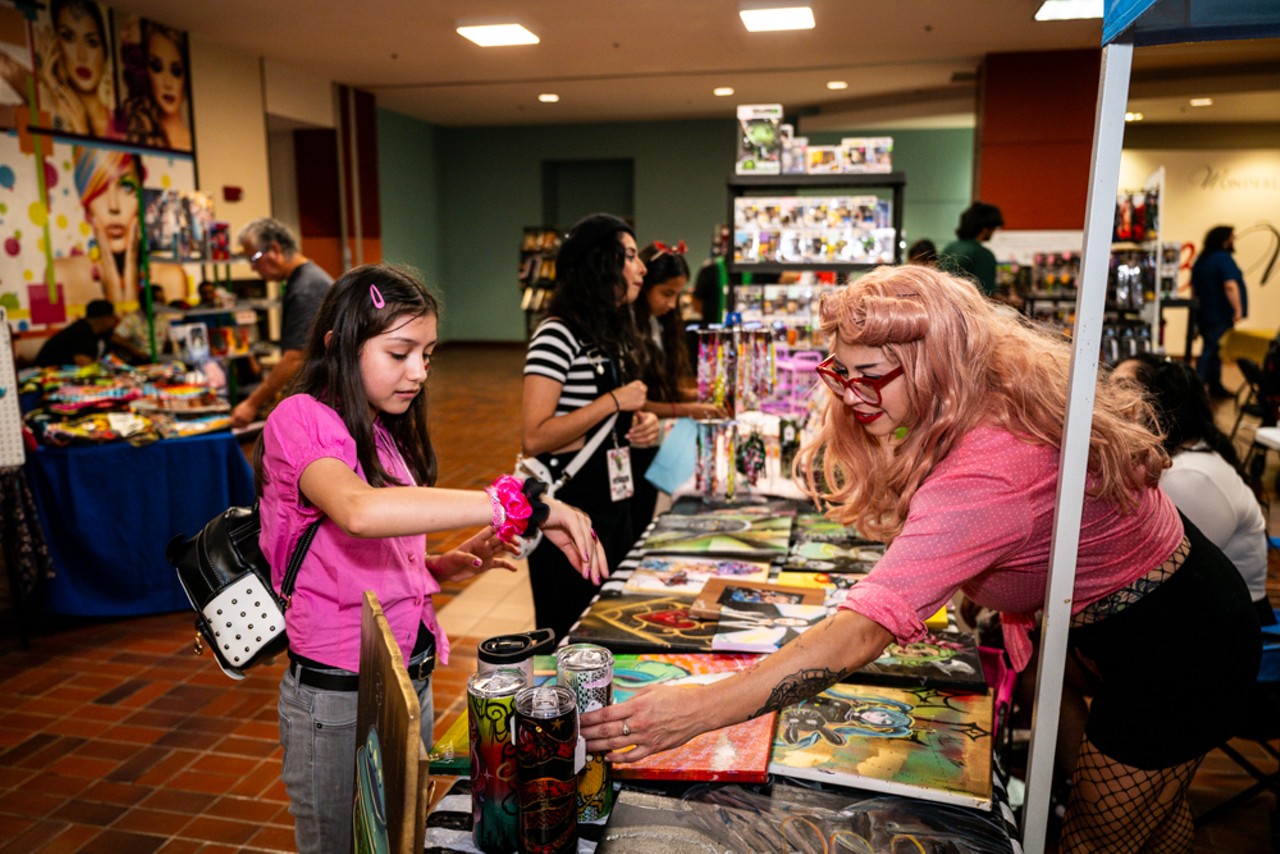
(797, 687)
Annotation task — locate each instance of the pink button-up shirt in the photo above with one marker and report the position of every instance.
(981, 522)
(324, 618)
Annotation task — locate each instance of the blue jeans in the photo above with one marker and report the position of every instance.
(1209, 364)
(318, 734)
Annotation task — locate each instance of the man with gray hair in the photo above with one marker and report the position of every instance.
(273, 254)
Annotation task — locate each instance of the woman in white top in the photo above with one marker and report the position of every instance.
(1205, 480)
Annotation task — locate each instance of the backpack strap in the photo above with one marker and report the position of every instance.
(295, 561)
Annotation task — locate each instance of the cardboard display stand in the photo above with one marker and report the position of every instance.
(391, 762)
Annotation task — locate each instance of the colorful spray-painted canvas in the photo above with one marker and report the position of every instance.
(719, 534)
(920, 742)
(945, 659)
(643, 623)
(817, 556)
(750, 505)
(451, 754)
(738, 595)
(686, 574)
(791, 818)
(767, 629)
(737, 753)
(822, 545)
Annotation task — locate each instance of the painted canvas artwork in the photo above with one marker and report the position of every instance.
(750, 505)
(724, 534)
(765, 630)
(790, 818)
(818, 556)
(652, 622)
(943, 659)
(815, 527)
(919, 742)
(739, 595)
(686, 574)
(738, 753)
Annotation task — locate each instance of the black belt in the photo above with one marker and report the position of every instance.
(313, 674)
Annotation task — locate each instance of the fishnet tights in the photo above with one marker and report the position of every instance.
(1116, 807)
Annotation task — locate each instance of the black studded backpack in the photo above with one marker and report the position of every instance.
(228, 580)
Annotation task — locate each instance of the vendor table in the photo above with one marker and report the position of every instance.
(108, 512)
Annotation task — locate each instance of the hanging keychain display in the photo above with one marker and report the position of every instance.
(621, 484)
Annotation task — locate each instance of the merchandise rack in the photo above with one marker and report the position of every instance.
(739, 186)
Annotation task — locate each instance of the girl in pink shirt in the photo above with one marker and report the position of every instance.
(349, 449)
(941, 437)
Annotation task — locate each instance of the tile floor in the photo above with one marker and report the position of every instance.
(113, 738)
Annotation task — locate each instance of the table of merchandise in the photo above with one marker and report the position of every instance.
(108, 511)
(781, 813)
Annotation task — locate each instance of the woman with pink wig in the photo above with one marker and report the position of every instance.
(942, 437)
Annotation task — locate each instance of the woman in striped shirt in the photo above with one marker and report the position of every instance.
(580, 370)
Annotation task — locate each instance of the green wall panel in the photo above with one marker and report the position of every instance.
(456, 200)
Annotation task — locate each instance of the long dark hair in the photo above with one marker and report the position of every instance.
(1216, 239)
(331, 374)
(665, 366)
(1181, 406)
(588, 294)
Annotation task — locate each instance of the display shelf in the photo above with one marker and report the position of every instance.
(865, 220)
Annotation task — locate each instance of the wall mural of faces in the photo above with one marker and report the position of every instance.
(97, 74)
(93, 223)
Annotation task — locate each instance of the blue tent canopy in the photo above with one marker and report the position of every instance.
(1152, 22)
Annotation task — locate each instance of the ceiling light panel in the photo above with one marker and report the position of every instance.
(837, 84)
(1201, 102)
(722, 91)
(549, 98)
(774, 17)
(497, 35)
(1069, 10)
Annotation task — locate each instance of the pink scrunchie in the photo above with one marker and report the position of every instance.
(510, 494)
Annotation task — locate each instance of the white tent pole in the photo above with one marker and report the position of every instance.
(1104, 177)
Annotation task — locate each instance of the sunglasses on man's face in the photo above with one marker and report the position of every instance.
(867, 389)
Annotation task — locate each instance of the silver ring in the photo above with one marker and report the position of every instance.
(626, 728)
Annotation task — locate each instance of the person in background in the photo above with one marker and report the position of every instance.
(136, 329)
(942, 437)
(349, 448)
(1218, 284)
(667, 371)
(85, 341)
(210, 295)
(583, 367)
(966, 256)
(923, 251)
(707, 290)
(1205, 480)
(273, 254)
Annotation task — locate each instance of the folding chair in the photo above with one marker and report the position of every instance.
(1248, 401)
(1263, 727)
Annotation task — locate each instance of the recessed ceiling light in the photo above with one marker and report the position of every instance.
(497, 35)
(837, 84)
(1133, 117)
(773, 16)
(1202, 102)
(548, 97)
(1069, 10)
(722, 91)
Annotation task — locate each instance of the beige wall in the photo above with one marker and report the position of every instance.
(231, 132)
(300, 97)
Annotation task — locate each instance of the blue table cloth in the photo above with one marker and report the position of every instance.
(109, 511)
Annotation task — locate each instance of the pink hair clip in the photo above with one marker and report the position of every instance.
(376, 296)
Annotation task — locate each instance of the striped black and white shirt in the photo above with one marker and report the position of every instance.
(556, 353)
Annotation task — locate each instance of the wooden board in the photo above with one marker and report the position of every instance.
(391, 776)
